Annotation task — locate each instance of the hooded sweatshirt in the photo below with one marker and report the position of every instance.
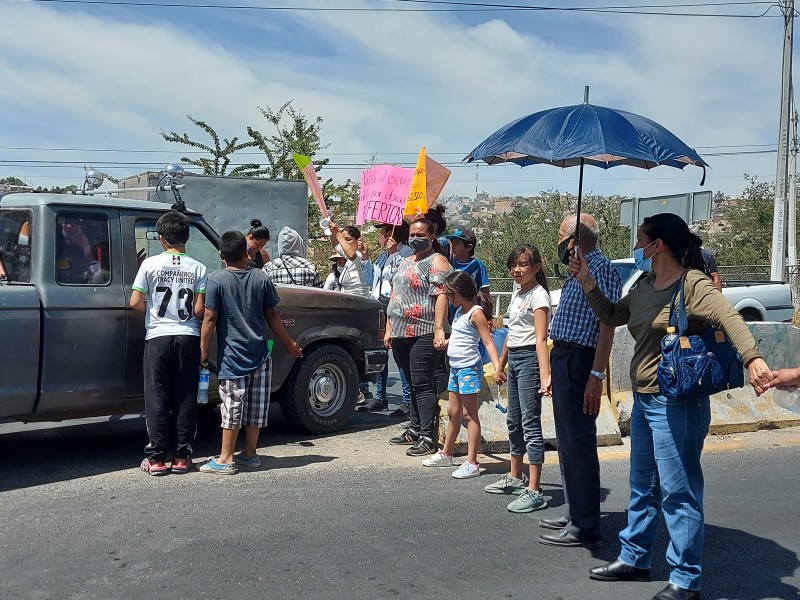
(291, 266)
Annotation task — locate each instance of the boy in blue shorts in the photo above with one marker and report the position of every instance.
(239, 304)
(169, 289)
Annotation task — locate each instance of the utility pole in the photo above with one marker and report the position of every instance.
(791, 248)
(778, 266)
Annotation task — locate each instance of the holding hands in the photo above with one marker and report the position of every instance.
(785, 379)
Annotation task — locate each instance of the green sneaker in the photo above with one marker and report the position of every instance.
(529, 501)
(507, 485)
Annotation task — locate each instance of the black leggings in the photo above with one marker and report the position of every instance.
(418, 360)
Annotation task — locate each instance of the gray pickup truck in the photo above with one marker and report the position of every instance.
(70, 347)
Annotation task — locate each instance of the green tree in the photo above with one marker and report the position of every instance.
(12, 181)
(220, 152)
(294, 133)
(748, 239)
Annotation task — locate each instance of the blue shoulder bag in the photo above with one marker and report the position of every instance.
(696, 365)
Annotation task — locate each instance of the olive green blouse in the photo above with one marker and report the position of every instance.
(646, 313)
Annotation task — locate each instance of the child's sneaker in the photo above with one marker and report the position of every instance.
(529, 501)
(440, 459)
(467, 470)
(155, 468)
(507, 485)
(251, 462)
(213, 466)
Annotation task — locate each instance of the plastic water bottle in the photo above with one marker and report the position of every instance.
(670, 337)
(790, 400)
(202, 389)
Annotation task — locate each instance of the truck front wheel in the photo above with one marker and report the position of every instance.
(320, 393)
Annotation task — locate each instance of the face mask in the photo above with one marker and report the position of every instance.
(642, 263)
(340, 268)
(419, 244)
(564, 251)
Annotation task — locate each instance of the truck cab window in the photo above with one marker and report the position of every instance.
(199, 247)
(82, 250)
(15, 245)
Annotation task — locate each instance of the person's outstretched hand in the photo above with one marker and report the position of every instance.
(785, 379)
(760, 375)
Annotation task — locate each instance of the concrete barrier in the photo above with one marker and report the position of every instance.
(734, 411)
(493, 422)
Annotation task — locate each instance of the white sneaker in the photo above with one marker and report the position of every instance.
(466, 470)
(440, 459)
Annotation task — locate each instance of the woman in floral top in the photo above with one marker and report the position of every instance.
(417, 315)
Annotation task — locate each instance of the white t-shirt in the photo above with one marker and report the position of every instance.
(352, 278)
(521, 329)
(170, 282)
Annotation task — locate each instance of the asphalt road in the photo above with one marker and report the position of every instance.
(349, 516)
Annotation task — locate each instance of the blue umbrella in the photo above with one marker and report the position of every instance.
(586, 134)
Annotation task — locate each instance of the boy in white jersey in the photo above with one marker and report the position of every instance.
(170, 289)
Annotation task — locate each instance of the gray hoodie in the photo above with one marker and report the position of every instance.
(290, 242)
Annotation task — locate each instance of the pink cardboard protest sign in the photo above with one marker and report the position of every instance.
(384, 192)
(436, 175)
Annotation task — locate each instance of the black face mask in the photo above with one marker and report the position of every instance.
(564, 251)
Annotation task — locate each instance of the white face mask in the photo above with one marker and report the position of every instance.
(340, 268)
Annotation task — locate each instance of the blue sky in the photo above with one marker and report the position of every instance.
(111, 77)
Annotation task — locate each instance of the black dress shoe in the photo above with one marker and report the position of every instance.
(566, 539)
(619, 571)
(558, 523)
(673, 592)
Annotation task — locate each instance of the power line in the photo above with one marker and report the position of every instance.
(448, 7)
(326, 154)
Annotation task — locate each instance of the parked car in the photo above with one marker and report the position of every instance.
(70, 347)
(755, 300)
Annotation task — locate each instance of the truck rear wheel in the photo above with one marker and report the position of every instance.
(750, 314)
(320, 393)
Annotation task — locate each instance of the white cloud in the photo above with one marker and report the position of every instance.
(395, 82)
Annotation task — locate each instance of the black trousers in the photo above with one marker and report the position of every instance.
(576, 434)
(419, 361)
(171, 375)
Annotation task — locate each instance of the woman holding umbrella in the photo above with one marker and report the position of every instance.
(666, 434)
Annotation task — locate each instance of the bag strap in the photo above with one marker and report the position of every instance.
(678, 318)
(288, 271)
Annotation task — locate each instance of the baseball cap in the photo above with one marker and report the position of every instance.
(465, 235)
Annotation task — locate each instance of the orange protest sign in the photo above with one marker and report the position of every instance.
(418, 194)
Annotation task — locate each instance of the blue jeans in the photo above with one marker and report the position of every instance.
(666, 442)
(381, 384)
(524, 416)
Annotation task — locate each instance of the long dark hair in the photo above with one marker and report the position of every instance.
(436, 216)
(258, 231)
(679, 240)
(533, 255)
(459, 282)
(431, 229)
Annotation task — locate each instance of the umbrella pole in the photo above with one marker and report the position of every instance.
(578, 211)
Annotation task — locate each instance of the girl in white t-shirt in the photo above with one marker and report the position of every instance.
(470, 327)
(525, 352)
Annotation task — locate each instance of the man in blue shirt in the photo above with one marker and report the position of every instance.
(581, 347)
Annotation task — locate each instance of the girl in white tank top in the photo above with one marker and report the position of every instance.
(470, 327)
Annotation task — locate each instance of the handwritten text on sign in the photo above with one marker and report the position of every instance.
(384, 192)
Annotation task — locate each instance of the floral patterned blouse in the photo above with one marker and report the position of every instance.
(415, 286)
